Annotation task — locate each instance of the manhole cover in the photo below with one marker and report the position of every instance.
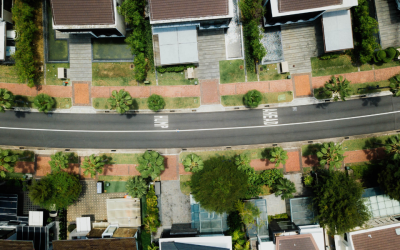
(294, 108)
(281, 98)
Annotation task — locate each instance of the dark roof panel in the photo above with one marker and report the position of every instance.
(98, 244)
(78, 12)
(384, 239)
(294, 5)
(181, 9)
(296, 242)
(16, 245)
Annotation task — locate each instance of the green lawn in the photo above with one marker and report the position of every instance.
(252, 76)
(387, 65)
(124, 158)
(364, 143)
(117, 74)
(8, 74)
(269, 72)
(52, 73)
(185, 188)
(275, 97)
(339, 65)
(141, 103)
(174, 78)
(61, 103)
(231, 71)
(256, 153)
(111, 49)
(57, 49)
(115, 187)
(355, 89)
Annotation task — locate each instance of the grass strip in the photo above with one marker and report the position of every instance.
(27, 101)
(274, 97)
(141, 103)
(232, 71)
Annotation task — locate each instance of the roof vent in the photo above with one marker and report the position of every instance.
(369, 236)
(398, 231)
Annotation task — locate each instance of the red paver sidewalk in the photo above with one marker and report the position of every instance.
(242, 88)
(210, 91)
(143, 92)
(171, 168)
(23, 89)
(42, 165)
(81, 93)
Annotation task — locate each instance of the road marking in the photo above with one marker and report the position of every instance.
(270, 117)
(194, 130)
(161, 121)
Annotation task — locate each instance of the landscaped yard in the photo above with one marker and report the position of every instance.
(124, 158)
(52, 73)
(269, 72)
(275, 97)
(8, 74)
(61, 103)
(141, 103)
(252, 76)
(232, 71)
(117, 74)
(115, 186)
(366, 173)
(57, 49)
(357, 89)
(184, 183)
(256, 153)
(111, 49)
(174, 78)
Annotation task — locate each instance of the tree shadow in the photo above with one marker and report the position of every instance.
(373, 149)
(322, 105)
(371, 101)
(21, 114)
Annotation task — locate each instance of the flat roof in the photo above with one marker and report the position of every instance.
(78, 12)
(338, 33)
(98, 244)
(124, 212)
(182, 9)
(177, 45)
(16, 245)
(296, 242)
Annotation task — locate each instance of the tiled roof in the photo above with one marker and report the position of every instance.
(294, 5)
(296, 242)
(98, 244)
(79, 12)
(181, 9)
(384, 239)
(16, 245)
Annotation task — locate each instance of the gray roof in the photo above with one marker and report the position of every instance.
(338, 33)
(184, 246)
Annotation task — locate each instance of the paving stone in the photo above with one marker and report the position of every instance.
(175, 206)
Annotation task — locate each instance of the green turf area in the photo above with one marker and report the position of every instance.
(277, 217)
(252, 77)
(339, 65)
(14, 175)
(387, 65)
(115, 178)
(310, 149)
(366, 173)
(111, 49)
(357, 89)
(275, 97)
(124, 158)
(231, 71)
(256, 153)
(8, 74)
(174, 78)
(141, 103)
(364, 143)
(52, 73)
(61, 102)
(57, 49)
(184, 183)
(269, 72)
(117, 74)
(115, 187)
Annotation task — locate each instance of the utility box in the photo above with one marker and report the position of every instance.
(100, 187)
(190, 73)
(62, 73)
(284, 67)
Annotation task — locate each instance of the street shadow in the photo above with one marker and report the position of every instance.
(371, 101)
(322, 105)
(21, 114)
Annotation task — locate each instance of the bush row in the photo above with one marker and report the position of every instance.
(385, 56)
(62, 215)
(178, 68)
(329, 56)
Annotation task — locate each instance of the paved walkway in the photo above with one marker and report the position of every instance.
(143, 92)
(211, 44)
(80, 57)
(210, 92)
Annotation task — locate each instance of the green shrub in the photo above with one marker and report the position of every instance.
(278, 156)
(308, 180)
(389, 180)
(7, 100)
(155, 102)
(242, 161)
(136, 187)
(248, 212)
(285, 188)
(329, 56)
(152, 220)
(252, 98)
(178, 68)
(58, 161)
(193, 163)
(385, 56)
(338, 88)
(395, 85)
(277, 217)
(44, 103)
(62, 215)
(151, 163)
(121, 101)
(331, 155)
(257, 180)
(94, 164)
(71, 227)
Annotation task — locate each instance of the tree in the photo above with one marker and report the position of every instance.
(44, 103)
(7, 161)
(395, 85)
(392, 147)
(7, 100)
(285, 188)
(339, 203)
(59, 188)
(94, 164)
(219, 185)
(252, 98)
(151, 164)
(121, 101)
(337, 88)
(331, 155)
(193, 163)
(58, 161)
(385, 56)
(248, 212)
(242, 161)
(155, 102)
(136, 187)
(278, 155)
(389, 179)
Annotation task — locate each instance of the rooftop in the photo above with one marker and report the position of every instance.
(181, 9)
(295, 5)
(16, 245)
(383, 238)
(78, 12)
(296, 242)
(98, 244)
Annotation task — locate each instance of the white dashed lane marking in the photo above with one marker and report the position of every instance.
(270, 117)
(161, 121)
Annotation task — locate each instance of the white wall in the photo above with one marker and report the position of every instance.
(119, 20)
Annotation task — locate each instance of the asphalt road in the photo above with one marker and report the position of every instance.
(231, 128)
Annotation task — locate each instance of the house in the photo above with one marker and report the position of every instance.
(99, 18)
(5, 17)
(176, 23)
(336, 18)
(197, 243)
(381, 232)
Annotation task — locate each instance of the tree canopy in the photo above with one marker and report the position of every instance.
(338, 200)
(136, 187)
(7, 100)
(58, 161)
(193, 163)
(389, 179)
(44, 103)
(155, 102)
(331, 155)
(151, 164)
(120, 101)
(219, 185)
(94, 164)
(278, 156)
(252, 98)
(7, 161)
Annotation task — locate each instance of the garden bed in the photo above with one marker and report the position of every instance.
(355, 89)
(269, 72)
(366, 173)
(61, 102)
(184, 184)
(274, 97)
(52, 73)
(232, 71)
(141, 103)
(175, 78)
(256, 153)
(111, 49)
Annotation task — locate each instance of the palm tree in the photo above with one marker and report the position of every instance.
(238, 237)
(395, 85)
(152, 247)
(193, 163)
(58, 161)
(40, 191)
(242, 161)
(278, 155)
(331, 155)
(136, 187)
(7, 161)
(252, 98)
(337, 88)
(121, 101)
(7, 100)
(94, 164)
(245, 246)
(155, 102)
(285, 188)
(392, 147)
(151, 164)
(44, 103)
